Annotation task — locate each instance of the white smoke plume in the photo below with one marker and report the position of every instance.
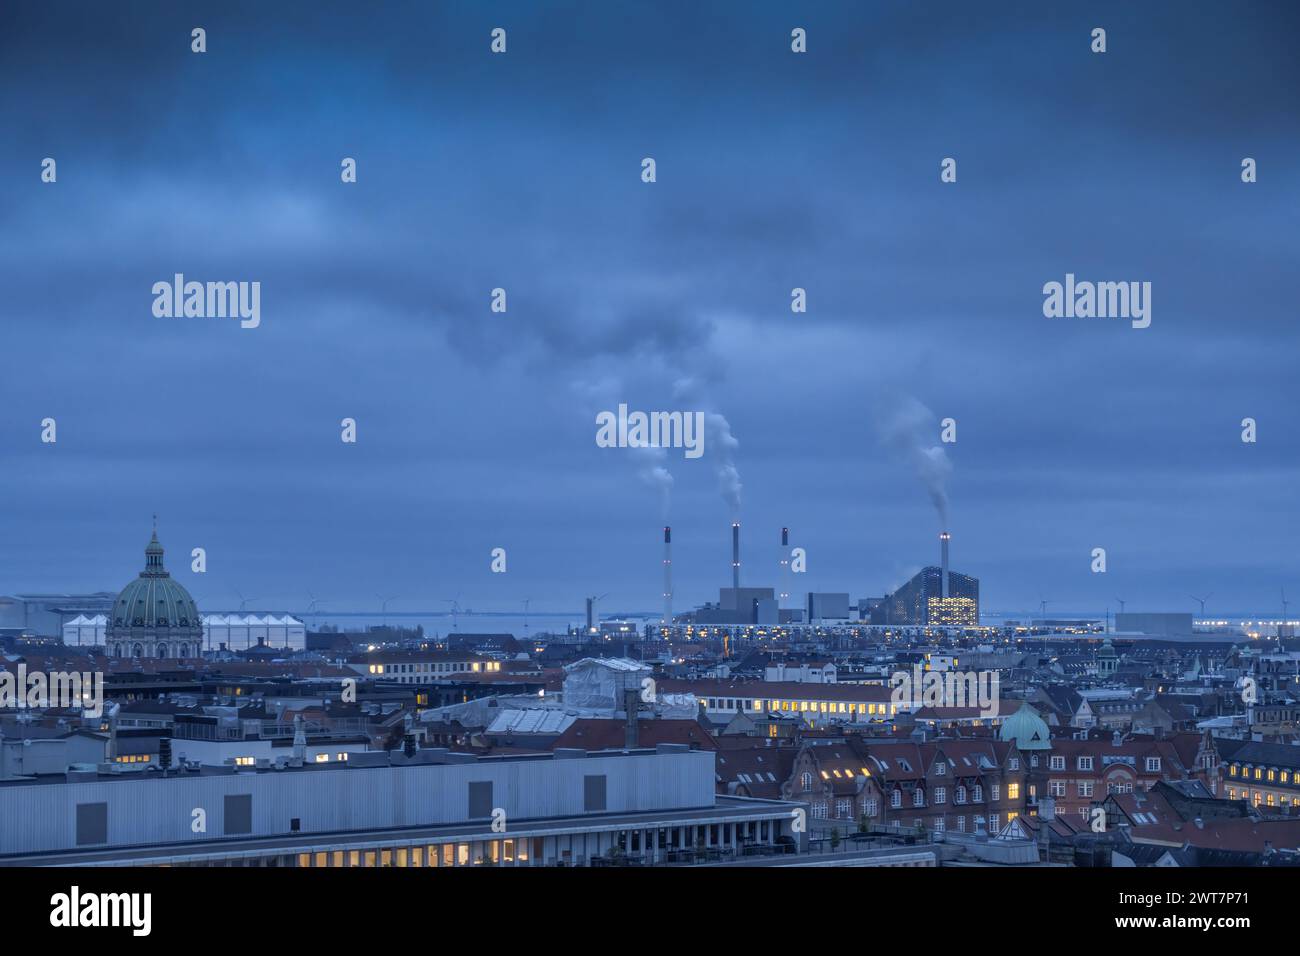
(652, 470)
(909, 429)
(719, 443)
(722, 445)
(651, 463)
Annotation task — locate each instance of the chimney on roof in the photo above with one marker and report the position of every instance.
(299, 741)
(110, 753)
(631, 732)
(408, 738)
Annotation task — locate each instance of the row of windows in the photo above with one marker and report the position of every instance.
(1267, 799)
(319, 758)
(1057, 762)
(1271, 774)
(435, 854)
(464, 667)
(995, 821)
(761, 705)
(940, 795)
(1085, 788)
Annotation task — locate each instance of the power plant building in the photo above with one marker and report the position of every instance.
(936, 596)
(828, 606)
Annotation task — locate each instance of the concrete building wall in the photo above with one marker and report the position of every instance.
(151, 810)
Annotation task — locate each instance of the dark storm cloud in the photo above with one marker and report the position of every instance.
(522, 172)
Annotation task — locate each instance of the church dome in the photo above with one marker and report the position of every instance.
(1026, 730)
(154, 616)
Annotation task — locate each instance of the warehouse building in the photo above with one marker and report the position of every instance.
(426, 808)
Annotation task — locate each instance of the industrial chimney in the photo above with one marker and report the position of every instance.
(668, 577)
(735, 555)
(785, 568)
(943, 562)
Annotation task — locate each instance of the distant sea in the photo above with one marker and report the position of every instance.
(441, 623)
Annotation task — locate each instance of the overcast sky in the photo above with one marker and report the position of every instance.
(523, 171)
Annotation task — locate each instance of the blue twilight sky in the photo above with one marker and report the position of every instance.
(775, 170)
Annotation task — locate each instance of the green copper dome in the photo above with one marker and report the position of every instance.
(154, 616)
(1026, 730)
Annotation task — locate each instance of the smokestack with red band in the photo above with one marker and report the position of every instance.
(735, 555)
(668, 577)
(943, 561)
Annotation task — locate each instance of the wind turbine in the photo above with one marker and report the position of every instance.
(243, 601)
(527, 601)
(455, 611)
(1201, 601)
(312, 607)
